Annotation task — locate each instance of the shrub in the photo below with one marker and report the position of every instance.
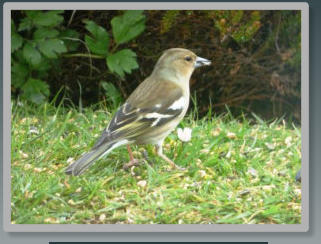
(256, 56)
(40, 40)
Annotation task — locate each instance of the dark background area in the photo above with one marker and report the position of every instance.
(255, 59)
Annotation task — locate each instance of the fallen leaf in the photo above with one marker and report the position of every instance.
(231, 135)
(102, 217)
(27, 166)
(37, 170)
(70, 160)
(202, 173)
(71, 202)
(142, 183)
(216, 132)
(204, 151)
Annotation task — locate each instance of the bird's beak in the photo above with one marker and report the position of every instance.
(201, 62)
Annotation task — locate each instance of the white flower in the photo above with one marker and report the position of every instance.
(185, 134)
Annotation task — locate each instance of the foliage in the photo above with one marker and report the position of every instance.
(238, 24)
(124, 28)
(35, 90)
(41, 38)
(36, 43)
(122, 61)
(168, 20)
(239, 171)
(256, 55)
(128, 26)
(112, 94)
(99, 41)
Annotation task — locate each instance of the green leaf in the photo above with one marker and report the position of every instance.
(45, 18)
(16, 41)
(13, 27)
(50, 48)
(98, 42)
(71, 45)
(19, 73)
(18, 56)
(25, 24)
(112, 93)
(122, 62)
(128, 26)
(32, 14)
(45, 33)
(42, 69)
(31, 54)
(35, 90)
(41, 19)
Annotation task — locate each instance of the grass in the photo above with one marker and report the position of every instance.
(239, 171)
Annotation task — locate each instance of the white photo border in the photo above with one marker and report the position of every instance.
(8, 6)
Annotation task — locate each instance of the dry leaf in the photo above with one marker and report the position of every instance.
(102, 217)
(71, 202)
(231, 135)
(23, 155)
(216, 132)
(204, 151)
(51, 220)
(202, 173)
(70, 160)
(142, 183)
(27, 166)
(37, 170)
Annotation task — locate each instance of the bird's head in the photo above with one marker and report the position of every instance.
(180, 62)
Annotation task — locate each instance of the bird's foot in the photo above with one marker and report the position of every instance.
(172, 164)
(131, 163)
(159, 151)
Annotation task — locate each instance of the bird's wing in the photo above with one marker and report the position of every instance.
(145, 111)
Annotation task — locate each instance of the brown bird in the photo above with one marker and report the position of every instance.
(151, 112)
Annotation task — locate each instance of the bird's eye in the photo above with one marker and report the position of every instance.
(188, 58)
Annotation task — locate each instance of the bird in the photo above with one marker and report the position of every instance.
(151, 112)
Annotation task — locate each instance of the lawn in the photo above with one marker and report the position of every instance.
(238, 171)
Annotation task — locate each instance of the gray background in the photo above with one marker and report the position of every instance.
(312, 236)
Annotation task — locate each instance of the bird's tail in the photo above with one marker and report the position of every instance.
(78, 167)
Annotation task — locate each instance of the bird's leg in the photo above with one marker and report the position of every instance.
(159, 150)
(132, 161)
(131, 157)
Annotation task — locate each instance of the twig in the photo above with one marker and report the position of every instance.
(276, 39)
(82, 55)
(71, 17)
(89, 54)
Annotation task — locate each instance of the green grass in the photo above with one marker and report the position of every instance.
(239, 171)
